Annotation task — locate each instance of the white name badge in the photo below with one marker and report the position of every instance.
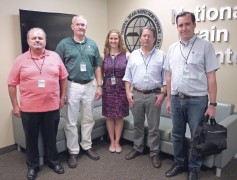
(146, 79)
(186, 72)
(113, 80)
(41, 83)
(83, 66)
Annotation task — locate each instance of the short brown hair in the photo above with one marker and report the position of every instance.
(184, 13)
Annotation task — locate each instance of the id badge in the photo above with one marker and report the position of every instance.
(113, 80)
(146, 79)
(186, 72)
(41, 83)
(83, 66)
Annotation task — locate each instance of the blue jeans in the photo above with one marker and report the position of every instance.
(191, 111)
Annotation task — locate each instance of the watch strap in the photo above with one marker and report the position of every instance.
(213, 104)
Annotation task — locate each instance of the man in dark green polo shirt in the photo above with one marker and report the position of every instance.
(81, 57)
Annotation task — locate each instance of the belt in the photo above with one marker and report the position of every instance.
(156, 90)
(80, 81)
(183, 96)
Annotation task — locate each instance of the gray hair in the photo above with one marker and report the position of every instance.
(78, 16)
(35, 28)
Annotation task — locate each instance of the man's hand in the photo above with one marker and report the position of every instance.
(98, 93)
(168, 106)
(130, 99)
(160, 98)
(211, 111)
(16, 111)
(62, 102)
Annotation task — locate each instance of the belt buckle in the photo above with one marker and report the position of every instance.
(181, 95)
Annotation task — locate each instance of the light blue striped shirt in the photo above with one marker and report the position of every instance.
(136, 69)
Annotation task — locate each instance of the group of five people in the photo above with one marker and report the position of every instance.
(77, 75)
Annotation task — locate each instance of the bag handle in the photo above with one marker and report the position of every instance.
(212, 120)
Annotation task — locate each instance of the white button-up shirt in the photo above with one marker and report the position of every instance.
(151, 66)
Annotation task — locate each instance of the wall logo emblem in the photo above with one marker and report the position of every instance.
(134, 22)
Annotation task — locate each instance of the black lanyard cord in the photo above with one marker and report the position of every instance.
(186, 58)
(115, 62)
(40, 68)
(148, 60)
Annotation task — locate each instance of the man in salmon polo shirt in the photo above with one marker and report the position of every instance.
(42, 80)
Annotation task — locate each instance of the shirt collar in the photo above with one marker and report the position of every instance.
(79, 42)
(28, 54)
(141, 51)
(190, 41)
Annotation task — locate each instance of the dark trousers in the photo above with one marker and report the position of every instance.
(48, 123)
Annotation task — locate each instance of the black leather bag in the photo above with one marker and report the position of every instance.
(209, 139)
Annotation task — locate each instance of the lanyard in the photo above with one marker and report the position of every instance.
(39, 67)
(114, 60)
(80, 49)
(146, 64)
(186, 58)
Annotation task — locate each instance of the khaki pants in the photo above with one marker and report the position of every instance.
(80, 102)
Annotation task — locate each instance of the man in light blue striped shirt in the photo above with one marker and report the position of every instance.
(145, 73)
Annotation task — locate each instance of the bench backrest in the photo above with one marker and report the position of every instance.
(222, 110)
(163, 112)
(98, 103)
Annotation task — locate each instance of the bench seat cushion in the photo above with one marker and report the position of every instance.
(165, 126)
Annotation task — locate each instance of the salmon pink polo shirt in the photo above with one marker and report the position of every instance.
(38, 81)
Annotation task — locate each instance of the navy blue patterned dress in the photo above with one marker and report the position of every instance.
(114, 100)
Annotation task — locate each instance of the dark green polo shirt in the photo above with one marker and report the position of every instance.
(73, 54)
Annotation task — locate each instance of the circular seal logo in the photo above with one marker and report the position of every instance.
(134, 22)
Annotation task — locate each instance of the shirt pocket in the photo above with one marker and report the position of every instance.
(156, 69)
(196, 65)
(195, 59)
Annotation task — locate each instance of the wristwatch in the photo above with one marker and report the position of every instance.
(99, 85)
(213, 104)
(164, 93)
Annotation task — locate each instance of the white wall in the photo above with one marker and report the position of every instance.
(94, 10)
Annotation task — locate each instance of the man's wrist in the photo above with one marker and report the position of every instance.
(164, 93)
(99, 85)
(213, 104)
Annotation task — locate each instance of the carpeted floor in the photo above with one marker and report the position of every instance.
(111, 166)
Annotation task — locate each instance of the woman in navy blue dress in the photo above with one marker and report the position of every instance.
(114, 101)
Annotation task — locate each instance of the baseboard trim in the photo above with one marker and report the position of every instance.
(7, 149)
